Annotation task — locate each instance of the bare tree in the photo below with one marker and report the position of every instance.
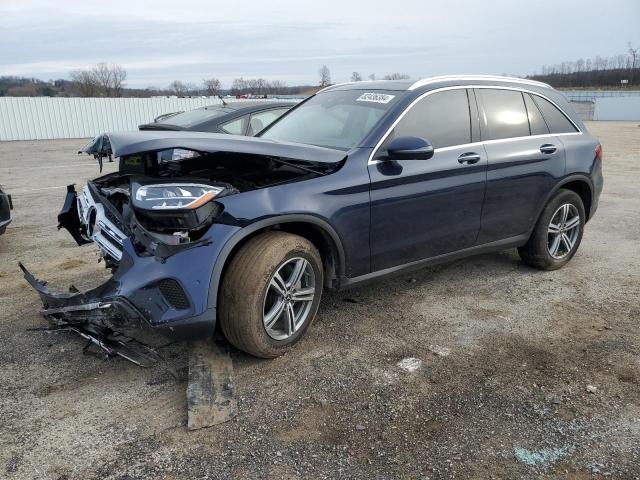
(238, 86)
(192, 89)
(109, 78)
(325, 76)
(178, 88)
(118, 76)
(258, 86)
(85, 83)
(372, 76)
(278, 86)
(102, 80)
(211, 86)
(397, 76)
(633, 54)
(356, 77)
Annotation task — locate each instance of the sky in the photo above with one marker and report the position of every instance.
(190, 40)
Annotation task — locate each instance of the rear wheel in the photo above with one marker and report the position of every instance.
(270, 293)
(557, 234)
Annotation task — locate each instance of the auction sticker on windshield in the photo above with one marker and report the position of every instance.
(375, 97)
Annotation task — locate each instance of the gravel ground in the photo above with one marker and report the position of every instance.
(482, 368)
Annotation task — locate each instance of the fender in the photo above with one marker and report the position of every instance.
(583, 177)
(221, 261)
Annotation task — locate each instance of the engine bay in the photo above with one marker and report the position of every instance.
(166, 200)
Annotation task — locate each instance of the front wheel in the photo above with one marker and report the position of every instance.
(557, 234)
(270, 293)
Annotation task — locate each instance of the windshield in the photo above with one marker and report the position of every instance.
(193, 117)
(334, 119)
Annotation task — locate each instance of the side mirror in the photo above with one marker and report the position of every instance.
(409, 148)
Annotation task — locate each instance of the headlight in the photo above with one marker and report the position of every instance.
(174, 196)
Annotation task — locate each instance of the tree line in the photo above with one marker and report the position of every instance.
(108, 80)
(594, 72)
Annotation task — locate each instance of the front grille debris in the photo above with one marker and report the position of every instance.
(109, 343)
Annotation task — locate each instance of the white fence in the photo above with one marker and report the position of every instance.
(617, 108)
(37, 118)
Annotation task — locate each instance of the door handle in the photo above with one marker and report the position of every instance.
(469, 158)
(548, 149)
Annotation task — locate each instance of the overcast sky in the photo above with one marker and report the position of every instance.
(160, 41)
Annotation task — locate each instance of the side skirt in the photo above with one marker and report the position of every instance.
(497, 246)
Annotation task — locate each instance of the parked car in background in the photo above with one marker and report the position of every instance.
(6, 205)
(359, 181)
(236, 118)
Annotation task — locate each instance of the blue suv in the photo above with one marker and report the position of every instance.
(359, 181)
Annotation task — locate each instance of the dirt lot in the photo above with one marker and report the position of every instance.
(504, 355)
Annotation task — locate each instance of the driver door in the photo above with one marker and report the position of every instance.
(425, 208)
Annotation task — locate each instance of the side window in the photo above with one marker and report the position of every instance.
(536, 122)
(235, 127)
(442, 118)
(262, 120)
(505, 115)
(555, 119)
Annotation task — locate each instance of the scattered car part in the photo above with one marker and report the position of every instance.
(98, 333)
(210, 399)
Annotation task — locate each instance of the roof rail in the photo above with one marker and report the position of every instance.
(427, 81)
(345, 83)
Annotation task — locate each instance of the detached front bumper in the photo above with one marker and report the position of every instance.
(169, 293)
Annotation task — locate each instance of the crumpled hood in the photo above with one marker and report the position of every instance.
(129, 143)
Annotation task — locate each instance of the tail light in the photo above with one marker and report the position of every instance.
(599, 152)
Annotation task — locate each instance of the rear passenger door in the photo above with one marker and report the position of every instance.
(524, 157)
(425, 208)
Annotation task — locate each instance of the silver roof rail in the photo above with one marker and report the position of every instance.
(430, 80)
(346, 83)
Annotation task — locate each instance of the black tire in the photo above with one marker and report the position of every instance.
(245, 285)
(536, 251)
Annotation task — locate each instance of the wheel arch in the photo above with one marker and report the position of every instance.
(316, 230)
(580, 184)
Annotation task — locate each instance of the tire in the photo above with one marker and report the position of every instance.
(250, 292)
(538, 250)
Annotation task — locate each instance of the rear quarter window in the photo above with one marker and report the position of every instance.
(536, 122)
(555, 119)
(505, 115)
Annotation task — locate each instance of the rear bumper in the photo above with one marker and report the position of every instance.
(598, 183)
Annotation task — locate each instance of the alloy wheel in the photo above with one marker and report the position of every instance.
(288, 299)
(563, 231)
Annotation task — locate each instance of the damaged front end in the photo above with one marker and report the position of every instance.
(160, 224)
(101, 322)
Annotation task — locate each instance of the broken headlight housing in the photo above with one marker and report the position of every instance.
(172, 196)
(175, 207)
